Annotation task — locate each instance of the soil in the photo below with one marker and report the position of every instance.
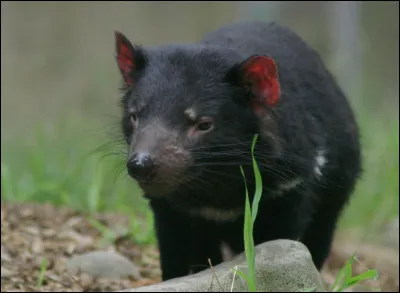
(37, 240)
(31, 233)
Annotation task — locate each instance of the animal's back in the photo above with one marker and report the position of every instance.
(252, 37)
(265, 38)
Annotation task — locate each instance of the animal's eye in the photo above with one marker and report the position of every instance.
(133, 118)
(205, 125)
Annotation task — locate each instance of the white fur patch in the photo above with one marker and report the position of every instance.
(218, 215)
(320, 161)
(283, 187)
(290, 184)
(227, 252)
(191, 113)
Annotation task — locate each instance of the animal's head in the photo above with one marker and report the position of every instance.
(189, 108)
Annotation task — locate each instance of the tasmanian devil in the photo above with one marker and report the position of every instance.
(190, 113)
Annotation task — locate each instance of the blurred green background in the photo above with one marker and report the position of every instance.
(59, 94)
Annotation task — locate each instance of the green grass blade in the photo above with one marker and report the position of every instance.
(370, 274)
(343, 276)
(248, 240)
(42, 272)
(257, 175)
(243, 275)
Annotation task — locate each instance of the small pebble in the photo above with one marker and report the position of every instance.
(103, 264)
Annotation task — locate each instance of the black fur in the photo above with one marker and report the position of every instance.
(312, 114)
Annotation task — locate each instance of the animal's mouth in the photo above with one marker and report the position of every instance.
(162, 184)
(145, 180)
(156, 189)
(171, 180)
(158, 181)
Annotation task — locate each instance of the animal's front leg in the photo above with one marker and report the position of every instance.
(206, 245)
(173, 230)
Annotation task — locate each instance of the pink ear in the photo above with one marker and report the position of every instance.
(260, 74)
(125, 57)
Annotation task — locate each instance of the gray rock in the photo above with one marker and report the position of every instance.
(281, 266)
(103, 264)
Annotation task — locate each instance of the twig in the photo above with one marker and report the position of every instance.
(233, 280)
(215, 275)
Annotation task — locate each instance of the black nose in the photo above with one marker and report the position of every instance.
(140, 166)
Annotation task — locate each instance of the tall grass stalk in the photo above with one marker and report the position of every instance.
(249, 219)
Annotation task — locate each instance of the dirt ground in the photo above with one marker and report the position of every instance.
(32, 233)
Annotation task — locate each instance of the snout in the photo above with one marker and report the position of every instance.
(141, 166)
